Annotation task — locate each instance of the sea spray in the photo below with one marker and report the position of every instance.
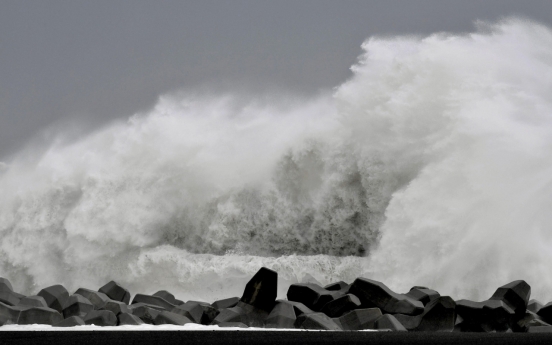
(430, 166)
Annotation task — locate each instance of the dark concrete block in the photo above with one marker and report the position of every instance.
(359, 319)
(438, 316)
(376, 294)
(281, 316)
(77, 305)
(529, 320)
(146, 313)
(338, 286)
(515, 295)
(128, 319)
(245, 313)
(116, 307)
(546, 312)
(311, 295)
(116, 292)
(423, 295)
(341, 305)
(225, 303)
(5, 285)
(55, 296)
(261, 290)
(316, 321)
(101, 318)
(154, 300)
(167, 296)
(39, 315)
(209, 314)
(299, 307)
(232, 324)
(534, 306)
(168, 318)
(486, 316)
(192, 310)
(71, 321)
(98, 299)
(33, 301)
(9, 314)
(388, 321)
(9, 297)
(228, 315)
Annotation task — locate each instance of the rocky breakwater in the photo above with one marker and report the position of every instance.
(363, 304)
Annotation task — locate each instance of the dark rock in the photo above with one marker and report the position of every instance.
(70, 322)
(116, 307)
(281, 316)
(55, 296)
(209, 314)
(39, 315)
(137, 305)
(515, 295)
(529, 320)
(534, 306)
(311, 295)
(129, 319)
(245, 313)
(316, 321)
(33, 301)
(375, 294)
(154, 300)
(9, 297)
(232, 324)
(192, 310)
(9, 314)
(77, 305)
(388, 321)
(116, 292)
(299, 307)
(338, 286)
(146, 313)
(546, 312)
(166, 317)
(101, 318)
(422, 294)
(438, 316)
(167, 296)
(226, 303)
(341, 305)
(228, 315)
(5, 285)
(98, 299)
(261, 290)
(486, 316)
(359, 319)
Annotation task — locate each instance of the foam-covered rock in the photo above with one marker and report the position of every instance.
(359, 319)
(168, 318)
(71, 321)
(281, 316)
(319, 321)
(101, 318)
(55, 296)
(33, 301)
(77, 305)
(341, 305)
(260, 292)
(376, 294)
(39, 315)
(128, 319)
(116, 292)
(98, 299)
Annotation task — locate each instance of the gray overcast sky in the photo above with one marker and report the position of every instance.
(96, 61)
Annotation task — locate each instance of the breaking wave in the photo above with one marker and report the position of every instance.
(430, 166)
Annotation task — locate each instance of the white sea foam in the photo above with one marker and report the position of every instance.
(430, 166)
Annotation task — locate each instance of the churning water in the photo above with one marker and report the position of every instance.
(431, 166)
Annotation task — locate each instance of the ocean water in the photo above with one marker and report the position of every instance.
(431, 165)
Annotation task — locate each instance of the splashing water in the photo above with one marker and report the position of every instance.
(430, 166)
